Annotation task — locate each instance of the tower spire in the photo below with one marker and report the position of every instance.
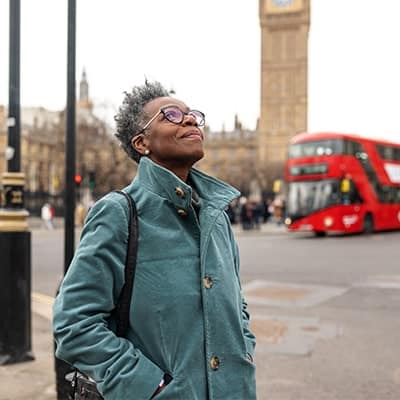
(84, 87)
(84, 100)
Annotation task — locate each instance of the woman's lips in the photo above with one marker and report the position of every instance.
(193, 134)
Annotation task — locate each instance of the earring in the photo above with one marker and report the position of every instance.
(146, 152)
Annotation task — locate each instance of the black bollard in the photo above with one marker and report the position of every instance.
(15, 297)
(15, 273)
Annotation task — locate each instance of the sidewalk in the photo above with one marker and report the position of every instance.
(33, 380)
(270, 228)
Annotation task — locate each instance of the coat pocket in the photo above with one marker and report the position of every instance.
(168, 393)
(168, 343)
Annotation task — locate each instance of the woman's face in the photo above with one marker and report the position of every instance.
(171, 145)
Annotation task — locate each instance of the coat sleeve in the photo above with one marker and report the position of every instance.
(87, 296)
(249, 336)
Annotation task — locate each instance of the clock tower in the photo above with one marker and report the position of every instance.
(283, 107)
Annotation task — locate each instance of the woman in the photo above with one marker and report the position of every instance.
(189, 334)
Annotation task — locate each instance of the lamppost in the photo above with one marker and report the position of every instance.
(61, 367)
(70, 129)
(15, 237)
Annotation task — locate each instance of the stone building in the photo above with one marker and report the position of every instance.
(97, 151)
(231, 156)
(40, 151)
(98, 156)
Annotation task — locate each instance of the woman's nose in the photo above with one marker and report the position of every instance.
(189, 120)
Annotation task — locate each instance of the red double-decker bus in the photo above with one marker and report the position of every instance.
(342, 183)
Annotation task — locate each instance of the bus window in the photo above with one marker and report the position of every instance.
(307, 197)
(388, 152)
(316, 148)
(387, 194)
(352, 148)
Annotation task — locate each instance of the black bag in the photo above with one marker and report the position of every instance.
(83, 388)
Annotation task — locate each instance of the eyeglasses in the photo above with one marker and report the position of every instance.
(175, 115)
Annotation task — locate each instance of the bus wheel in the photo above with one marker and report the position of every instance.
(368, 224)
(320, 233)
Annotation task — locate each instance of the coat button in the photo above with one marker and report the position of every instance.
(182, 212)
(179, 192)
(208, 282)
(214, 363)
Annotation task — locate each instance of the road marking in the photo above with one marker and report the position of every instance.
(42, 298)
(380, 282)
(42, 305)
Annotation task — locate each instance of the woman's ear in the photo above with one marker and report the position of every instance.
(139, 144)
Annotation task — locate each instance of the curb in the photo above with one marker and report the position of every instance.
(42, 305)
(264, 231)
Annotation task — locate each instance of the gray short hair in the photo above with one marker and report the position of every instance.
(131, 116)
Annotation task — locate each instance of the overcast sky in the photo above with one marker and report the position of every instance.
(208, 51)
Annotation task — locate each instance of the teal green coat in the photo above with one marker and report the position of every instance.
(188, 317)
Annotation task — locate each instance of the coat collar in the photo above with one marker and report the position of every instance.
(166, 184)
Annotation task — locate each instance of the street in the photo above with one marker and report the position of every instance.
(325, 310)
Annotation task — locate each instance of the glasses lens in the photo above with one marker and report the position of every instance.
(199, 116)
(173, 114)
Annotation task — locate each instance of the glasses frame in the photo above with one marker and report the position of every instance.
(162, 111)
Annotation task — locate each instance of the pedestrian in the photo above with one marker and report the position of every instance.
(268, 209)
(231, 213)
(47, 215)
(189, 335)
(258, 212)
(278, 204)
(80, 214)
(246, 215)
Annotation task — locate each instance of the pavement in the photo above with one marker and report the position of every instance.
(35, 380)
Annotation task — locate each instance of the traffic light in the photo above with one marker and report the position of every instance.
(78, 180)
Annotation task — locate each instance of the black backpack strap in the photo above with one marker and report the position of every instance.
(80, 381)
(124, 301)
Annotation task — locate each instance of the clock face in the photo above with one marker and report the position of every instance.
(282, 3)
(282, 6)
